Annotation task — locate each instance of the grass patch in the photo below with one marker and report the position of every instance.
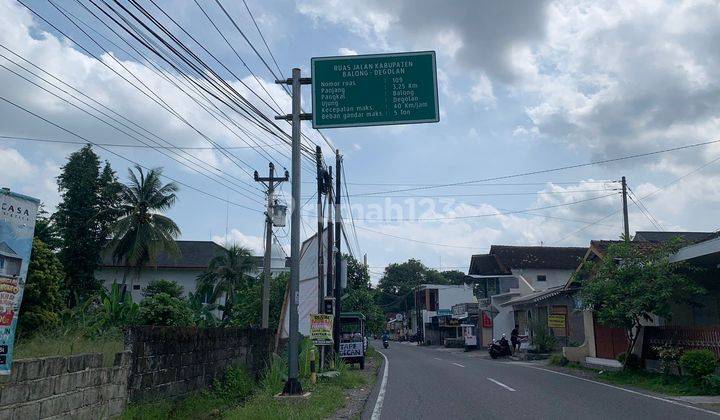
(656, 382)
(197, 406)
(56, 343)
(326, 397)
(237, 387)
(650, 381)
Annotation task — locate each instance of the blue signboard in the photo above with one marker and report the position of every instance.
(17, 227)
(443, 312)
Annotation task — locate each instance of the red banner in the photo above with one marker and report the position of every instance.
(486, 320)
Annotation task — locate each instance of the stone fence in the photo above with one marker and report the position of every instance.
(169, 362)
(159, 363)
(77, 386)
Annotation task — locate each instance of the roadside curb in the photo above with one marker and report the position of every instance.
(372, 396)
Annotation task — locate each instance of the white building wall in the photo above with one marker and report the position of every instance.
(504, 321)
(308, 291)
(555, 277)
(187, 278)
(452, 295)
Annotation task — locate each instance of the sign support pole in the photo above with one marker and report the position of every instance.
(292, 385)
(338, 254)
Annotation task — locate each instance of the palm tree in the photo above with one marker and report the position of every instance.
(140, 232)
(227, 274)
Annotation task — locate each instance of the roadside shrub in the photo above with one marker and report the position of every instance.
(275, 375)
(542, 338)
(558, 360)
(669, 358)
(238, 385)
(169, 287)
(163, 309)
(698, 363)
(711, 383)
(634, 362)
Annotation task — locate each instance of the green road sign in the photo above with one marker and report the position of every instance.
(376, 89)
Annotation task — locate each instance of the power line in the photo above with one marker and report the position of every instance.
(122, 130)
(560, 168)
(415, 240)
(371, 195)
(422, 219)
(132, 146)
(2, 98)
(699, 168)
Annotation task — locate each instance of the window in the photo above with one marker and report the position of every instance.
(2, 262)
(541, 277)
(136, 287)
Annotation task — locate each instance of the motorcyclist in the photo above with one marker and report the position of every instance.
(386, 336)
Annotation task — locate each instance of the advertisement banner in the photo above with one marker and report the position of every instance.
(556, 321)
(321, 329)
(17, 226)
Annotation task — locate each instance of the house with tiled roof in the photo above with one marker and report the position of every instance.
(508, 274)
(183, 268)
(694, 322)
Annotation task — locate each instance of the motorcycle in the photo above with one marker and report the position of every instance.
(386, 343)
(500, 348)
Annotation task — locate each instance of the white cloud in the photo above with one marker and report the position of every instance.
(236, 237)
(347, 51)
(482, 92)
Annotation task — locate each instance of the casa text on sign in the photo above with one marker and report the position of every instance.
(376, 89)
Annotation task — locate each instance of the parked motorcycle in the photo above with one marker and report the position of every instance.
(500, 348)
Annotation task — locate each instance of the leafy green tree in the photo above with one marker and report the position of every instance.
(42, 301)
(109, 199)
(141, 231)
(163, 309)
(115, 309)
(399, 280)
(203, 315)
(247, 312)
(632, 283)
(361, 297)
(46, 230)
(77, 224)
(454, 277)
(227, 276)
(171, 288)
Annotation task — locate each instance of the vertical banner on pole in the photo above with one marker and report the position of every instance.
(17, 227)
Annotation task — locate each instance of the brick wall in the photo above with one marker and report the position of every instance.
(169, 362)
(77, 386)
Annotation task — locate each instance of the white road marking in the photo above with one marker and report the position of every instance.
(381, 393)
(501, 384)
(437, 358)
(458, 364)
(714, 413)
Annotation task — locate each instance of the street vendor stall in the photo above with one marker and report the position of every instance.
(353, 343)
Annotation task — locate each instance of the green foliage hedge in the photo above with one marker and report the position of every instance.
(698, 363)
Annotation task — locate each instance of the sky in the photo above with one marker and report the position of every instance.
(524, 86)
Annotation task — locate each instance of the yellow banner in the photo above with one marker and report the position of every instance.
(556, 321)
(321, 329)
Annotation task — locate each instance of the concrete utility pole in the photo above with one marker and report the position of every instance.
(625, 210)
(320, 262)
(338, 254)
(292, 385)
(330, 260)
(268, 239)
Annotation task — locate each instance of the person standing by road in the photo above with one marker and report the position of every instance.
(515, 339)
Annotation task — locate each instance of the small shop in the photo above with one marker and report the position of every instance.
(555, 309)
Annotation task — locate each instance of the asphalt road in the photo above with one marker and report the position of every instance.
(435, 383)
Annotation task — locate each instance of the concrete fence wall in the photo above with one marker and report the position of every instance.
(77, 386)
(169, 362)
(159, 363)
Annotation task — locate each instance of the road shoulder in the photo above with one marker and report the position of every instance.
(357, 400)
